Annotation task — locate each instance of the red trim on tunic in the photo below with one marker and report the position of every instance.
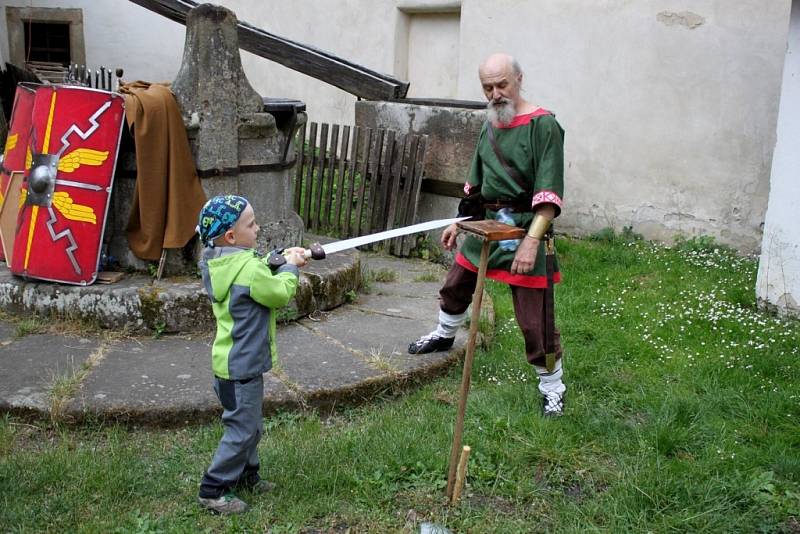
(547, 197)
(522, 280)
(521, 120)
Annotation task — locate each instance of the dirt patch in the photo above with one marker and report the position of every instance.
(495, 503)
(791, 526)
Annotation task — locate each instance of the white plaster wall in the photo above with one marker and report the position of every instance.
(669, 118)
(361, 32)
(433, 55)
(779, 268)
(118, 34)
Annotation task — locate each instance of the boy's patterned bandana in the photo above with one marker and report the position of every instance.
(218, 216)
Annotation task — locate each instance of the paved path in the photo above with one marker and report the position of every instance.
(344, 356)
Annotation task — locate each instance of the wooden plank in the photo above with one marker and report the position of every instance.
(311, 161)
(406, 175)
(373, 178)
(441, 187)
(109, 277)
(300, 142)
(329, 191)
(316, 206)
(413, 198)
(345, 75)
(394, 186)
(362, 169)
(491, 230)
(340, 192)
(379, 214)
(353, 175)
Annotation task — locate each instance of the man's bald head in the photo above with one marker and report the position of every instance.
(499, 62)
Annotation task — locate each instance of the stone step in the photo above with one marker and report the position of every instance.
(141, 305)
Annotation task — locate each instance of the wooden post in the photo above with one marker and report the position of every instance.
(486, 231)
(466, 375)
(461, 474)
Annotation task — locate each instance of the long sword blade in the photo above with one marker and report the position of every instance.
(338, 246)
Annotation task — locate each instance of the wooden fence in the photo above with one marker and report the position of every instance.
(364, 181)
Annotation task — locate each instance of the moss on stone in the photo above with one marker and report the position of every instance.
(151, 308)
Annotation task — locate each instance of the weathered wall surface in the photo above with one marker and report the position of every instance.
(778, 281)
(670, 110)
(669, 114)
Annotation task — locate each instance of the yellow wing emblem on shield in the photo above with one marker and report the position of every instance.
(23, 194)
(11, 142)
(82, 156)
(74, 212)
(28, 159)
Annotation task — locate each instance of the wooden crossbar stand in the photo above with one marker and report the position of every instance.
(491, 230)
(487, 231)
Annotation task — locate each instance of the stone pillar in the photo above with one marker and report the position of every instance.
(238, 148)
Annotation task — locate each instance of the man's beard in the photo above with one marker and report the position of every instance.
(501, 112)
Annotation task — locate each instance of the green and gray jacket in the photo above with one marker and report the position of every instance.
(244, 293)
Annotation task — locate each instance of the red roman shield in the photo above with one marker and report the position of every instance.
(74, 142)
(14, 154)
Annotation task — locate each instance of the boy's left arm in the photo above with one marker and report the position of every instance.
(274, 290)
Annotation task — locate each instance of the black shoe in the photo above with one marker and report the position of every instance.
(553, 405)
(430, 343)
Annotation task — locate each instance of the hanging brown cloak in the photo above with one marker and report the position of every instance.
(168, 195)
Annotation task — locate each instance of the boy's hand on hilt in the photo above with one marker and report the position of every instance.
(295, 256)
(299, 256)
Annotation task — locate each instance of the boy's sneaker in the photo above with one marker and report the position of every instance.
(430, 343)
(552, 405)
(226, 504)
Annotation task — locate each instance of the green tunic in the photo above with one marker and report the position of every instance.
(534, 145)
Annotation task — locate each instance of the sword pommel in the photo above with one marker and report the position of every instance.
(316, 252)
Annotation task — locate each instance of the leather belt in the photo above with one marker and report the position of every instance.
(518, 205)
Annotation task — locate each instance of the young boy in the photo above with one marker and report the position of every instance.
(244, 293)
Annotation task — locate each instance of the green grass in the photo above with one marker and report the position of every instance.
(682, 416)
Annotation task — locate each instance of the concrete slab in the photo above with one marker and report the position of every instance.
(7, 331)
(411, 278)
(408, 270)
(321, 369)
(162, 382)
(29, 366)
(343, 356)
(391, 323)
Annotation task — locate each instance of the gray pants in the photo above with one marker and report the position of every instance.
(236, 462)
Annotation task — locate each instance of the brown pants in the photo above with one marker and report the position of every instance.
(456, 295)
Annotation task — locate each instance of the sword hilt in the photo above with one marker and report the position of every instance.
(277, 259)
(315, 252)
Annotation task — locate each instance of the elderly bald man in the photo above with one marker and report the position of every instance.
(528, 186)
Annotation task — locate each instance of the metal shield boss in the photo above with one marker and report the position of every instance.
(17, 150)
(74, 140)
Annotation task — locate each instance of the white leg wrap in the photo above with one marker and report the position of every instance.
(449, 324)
(551, 382)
